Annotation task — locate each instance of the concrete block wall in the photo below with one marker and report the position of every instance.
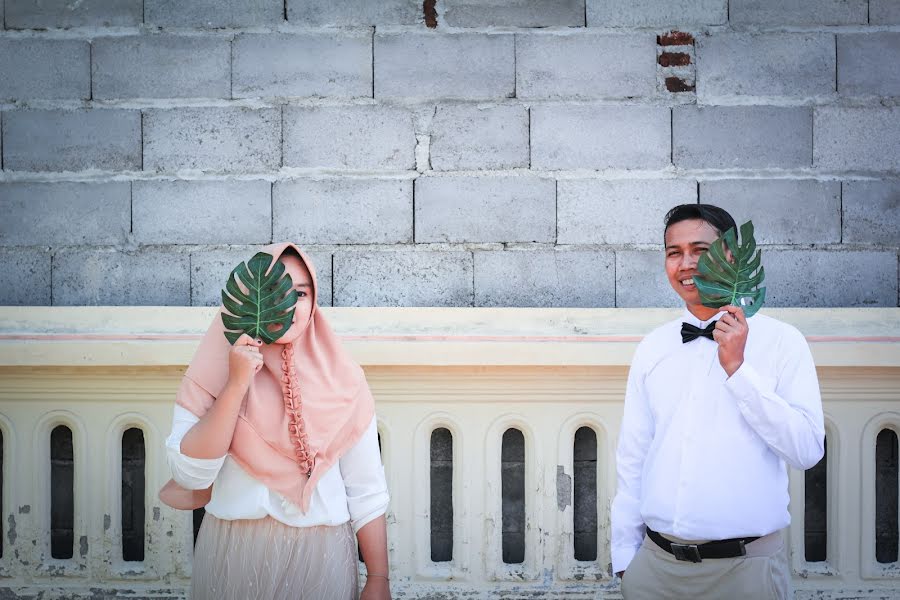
(446, 153)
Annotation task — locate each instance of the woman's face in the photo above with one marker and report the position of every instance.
(303, 284)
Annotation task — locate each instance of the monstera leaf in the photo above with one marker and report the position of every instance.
(721, 281)
(265, 311)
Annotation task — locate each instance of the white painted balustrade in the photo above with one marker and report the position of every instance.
(475, 372)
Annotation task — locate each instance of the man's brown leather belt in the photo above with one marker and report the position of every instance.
(731, 548)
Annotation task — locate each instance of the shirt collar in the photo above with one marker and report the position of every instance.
(688, 317)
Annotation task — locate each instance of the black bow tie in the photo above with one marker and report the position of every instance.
(689, 332)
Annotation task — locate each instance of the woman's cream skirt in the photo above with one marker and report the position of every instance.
(266, 559)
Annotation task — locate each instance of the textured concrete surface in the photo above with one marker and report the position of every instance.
(52, 69)
(212, 139)
(774, 64)
(403, 278)
(594, 211)
(161, 66)
(545, 278)
(651, 13)
(343, 211)
(98, 277)
(485, 209)
(267, 65)
(479, 137)
(864, 139)
(202, 212)
(741, 136)
(443, 135)
(349, 137)
(76, 140)
(585, 65)
(45, 213)
(774, 206)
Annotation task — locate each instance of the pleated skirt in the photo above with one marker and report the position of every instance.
(266, 559)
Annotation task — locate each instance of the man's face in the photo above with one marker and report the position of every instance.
(686, 242)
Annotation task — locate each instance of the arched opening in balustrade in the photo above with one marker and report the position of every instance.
(133, 488)
(585, 490)
(512, 482)
(62, 493)
(198, 521)
(441, 495)
(886, 497)
(815, 511)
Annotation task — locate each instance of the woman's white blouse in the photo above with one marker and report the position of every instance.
(353, 490)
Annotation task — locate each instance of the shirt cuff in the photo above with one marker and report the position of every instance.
(622, 557)
(362, 522)
(193, 473)
(364, 509)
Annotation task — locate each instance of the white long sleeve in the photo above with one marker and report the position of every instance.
(634, 440)
(788, 417)
(364, 481)
(189, 472)
(353, 490)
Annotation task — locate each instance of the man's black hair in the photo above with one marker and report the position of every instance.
(715, 216)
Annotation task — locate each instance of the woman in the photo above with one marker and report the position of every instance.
(279, 442)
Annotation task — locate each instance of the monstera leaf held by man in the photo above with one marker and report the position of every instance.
(265, 310)
(731, 272)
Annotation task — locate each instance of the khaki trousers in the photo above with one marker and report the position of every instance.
(763, 574)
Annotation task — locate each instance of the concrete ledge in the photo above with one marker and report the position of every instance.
(167, 336)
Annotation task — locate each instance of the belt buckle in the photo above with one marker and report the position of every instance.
(686, 552)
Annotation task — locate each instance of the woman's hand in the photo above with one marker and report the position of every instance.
(244, 361)
(376, 588)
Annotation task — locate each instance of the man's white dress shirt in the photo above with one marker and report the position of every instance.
(701, 456)
(353, 490)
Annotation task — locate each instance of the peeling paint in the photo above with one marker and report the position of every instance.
(563, 488)
(107, 521)
(12, 529)
(83, 546)
(156, 513)
(25, 509)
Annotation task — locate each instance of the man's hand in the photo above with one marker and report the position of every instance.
(731, 335)
(376, 588)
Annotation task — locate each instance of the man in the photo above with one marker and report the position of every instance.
(711, 418)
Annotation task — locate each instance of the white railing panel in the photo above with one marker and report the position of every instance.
(476, 373)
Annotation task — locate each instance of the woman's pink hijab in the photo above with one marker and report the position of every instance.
(283, 430)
